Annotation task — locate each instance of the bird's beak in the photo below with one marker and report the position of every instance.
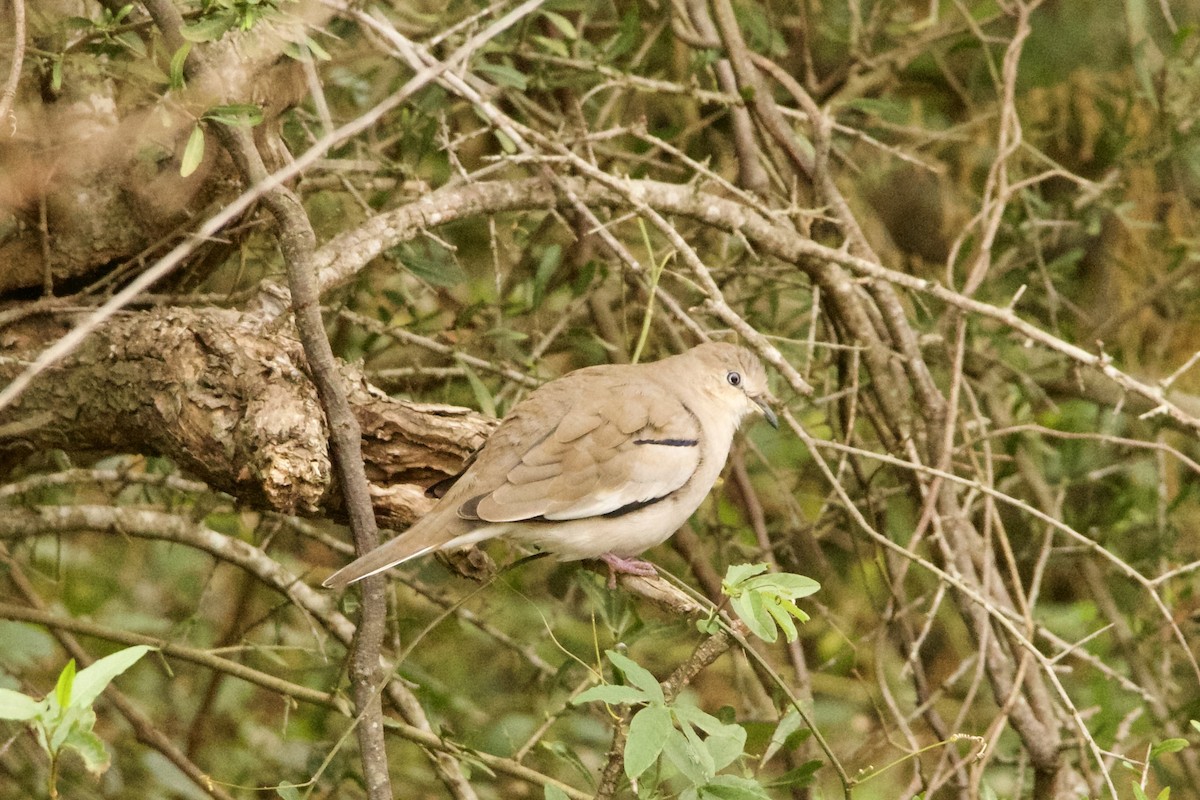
(767, 411)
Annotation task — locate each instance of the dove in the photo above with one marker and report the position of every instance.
(603, 463)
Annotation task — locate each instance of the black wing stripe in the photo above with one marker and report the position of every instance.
(669, 442)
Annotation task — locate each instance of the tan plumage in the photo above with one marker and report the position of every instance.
(604, 462)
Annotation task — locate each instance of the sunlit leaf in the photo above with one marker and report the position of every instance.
(16, 706)
(733, 787)
(90, 682)
(193, 152)
(90, 748)
(648, 732)
(637, 675)
(613, 694)
(63, 687)
(1167, 746)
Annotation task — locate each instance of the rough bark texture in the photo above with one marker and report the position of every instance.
(231, 403)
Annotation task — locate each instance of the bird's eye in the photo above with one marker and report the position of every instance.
(734, 378)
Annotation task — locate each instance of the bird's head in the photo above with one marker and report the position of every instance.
(735, 377)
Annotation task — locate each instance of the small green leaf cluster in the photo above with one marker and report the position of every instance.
(1156, 750)
(63, 720)
(766, 601)
(219, 16)
(695, 745)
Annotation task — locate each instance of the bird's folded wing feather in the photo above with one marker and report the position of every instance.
(611, 452)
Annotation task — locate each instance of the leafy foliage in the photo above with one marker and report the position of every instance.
(682, 740)
(1024, 177)
(63, 720)
(767, 602)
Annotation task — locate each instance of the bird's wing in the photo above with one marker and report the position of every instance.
(616, 449)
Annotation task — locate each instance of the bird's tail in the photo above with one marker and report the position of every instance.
(387, 555)
(433, 532)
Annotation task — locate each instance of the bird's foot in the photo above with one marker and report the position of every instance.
(626, 566)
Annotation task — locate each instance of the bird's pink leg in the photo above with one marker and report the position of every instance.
(626, 566)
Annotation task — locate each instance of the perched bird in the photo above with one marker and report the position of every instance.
(602, 463)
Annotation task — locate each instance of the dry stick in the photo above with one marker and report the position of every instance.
(751, 174)
(962, 586)
(9, 93)
(203, 658)
(297, 241)
(997, 189)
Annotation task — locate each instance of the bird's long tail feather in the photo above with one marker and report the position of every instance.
(425, 537)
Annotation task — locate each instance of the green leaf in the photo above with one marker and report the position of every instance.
(431, 263)
(1138, 794)
(555, 46)
(1195, 725)
(627, 37)
(765, 602)
(800, 776)
(16, 706)
(91, 749)
(504, 75)
(734, 787)
(547, 266)
(778, 609)
(483, 396)
(689, 757)
(75, 718)
(1167, 746)
(562, 23)
(209, 29)
(313, 48)
(236, 115)
(727, 746)
(648, 732)
(506, 142)
(749, 608)
(178, 60)
(701, 719)
(786, 583)
(193, 153)
(725, 741)
(739, 573)
(66, 680)
(637, 675)
(612, 694)
(288, 791)
(1165, 794)
(550, 792)
(789, 724)
(90, 682)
